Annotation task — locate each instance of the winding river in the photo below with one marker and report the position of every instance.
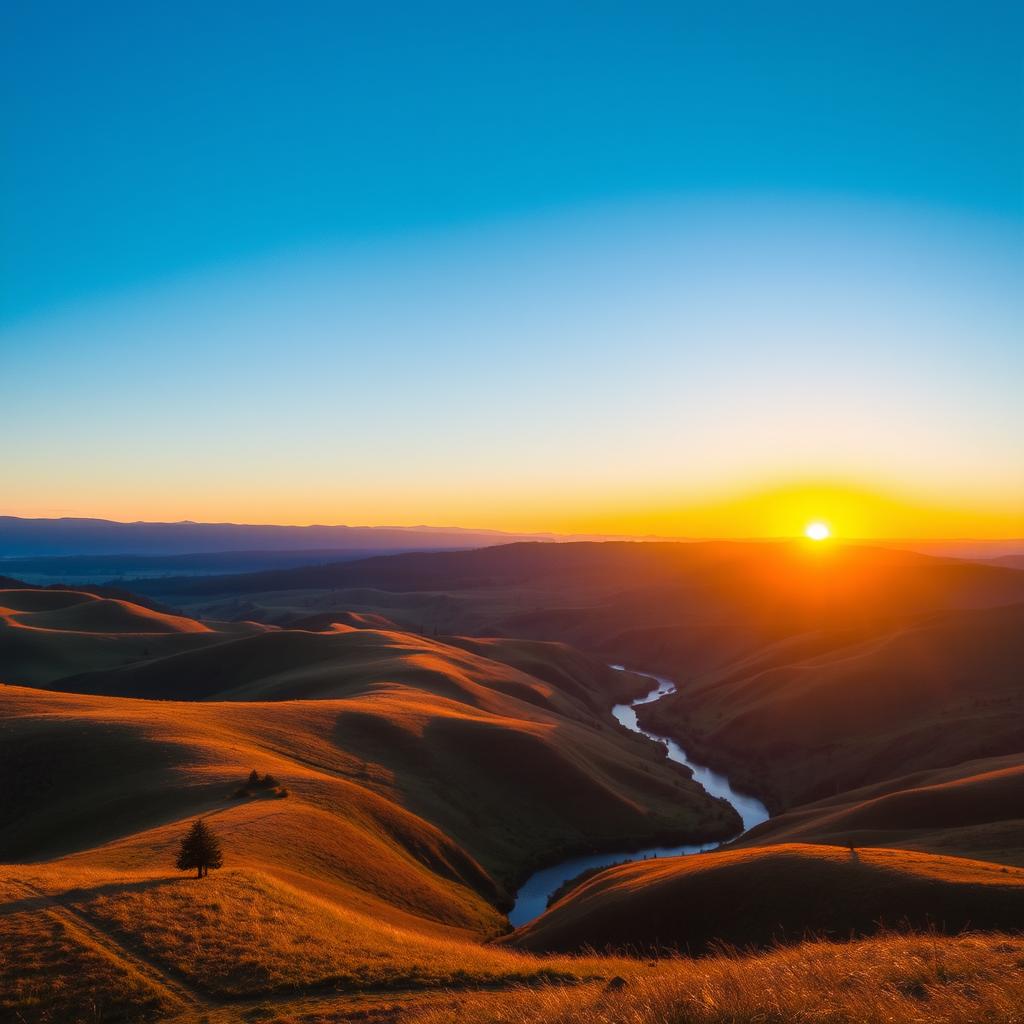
(532, 897)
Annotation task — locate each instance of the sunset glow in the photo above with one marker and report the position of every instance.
(696, 338)
(817, 531)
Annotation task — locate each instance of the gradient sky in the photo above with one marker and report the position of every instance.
(683, 269)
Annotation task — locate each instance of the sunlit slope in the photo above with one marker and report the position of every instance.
(242, 945)
(82, 612)
(690, 610)
(803, 669)
(112, 783)
(974, 809)
(340, 661)
(819, 716)
(764, 894)
(319, 622)
(47, 634)
(570, 671)
(158, 941)
(895, 978)
(513, 767)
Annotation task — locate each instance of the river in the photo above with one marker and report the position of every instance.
(532, 897)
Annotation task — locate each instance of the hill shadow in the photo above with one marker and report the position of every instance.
(81, 894)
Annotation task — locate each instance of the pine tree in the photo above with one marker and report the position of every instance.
(200, 849)
(254, 778)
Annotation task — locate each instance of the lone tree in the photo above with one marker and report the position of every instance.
(200, 849)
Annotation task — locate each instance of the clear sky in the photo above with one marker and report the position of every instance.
(687, 269)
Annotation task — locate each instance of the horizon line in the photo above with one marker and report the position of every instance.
(538, 535)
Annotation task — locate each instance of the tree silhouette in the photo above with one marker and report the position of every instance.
(200, 849)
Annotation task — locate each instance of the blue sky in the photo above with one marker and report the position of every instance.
(485, 239)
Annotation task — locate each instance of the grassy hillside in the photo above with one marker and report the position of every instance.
(975, 809)
(112, 783)
(506, 746)
(515, 768)
(46, 634)
(298, 664)
(683, 607)
(761, 895)
(242, 932)
(803, 670)
(420, 777)
(337, 888)
(73, 611)
(85, 945)
(820, 715)
(897, 979)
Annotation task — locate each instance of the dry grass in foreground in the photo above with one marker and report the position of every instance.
(898, 979)
(137, 944)
(82, 946)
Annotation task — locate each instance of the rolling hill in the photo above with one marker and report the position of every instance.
(106, 783)
(685, 610)
(355, 872)
(426, 775)
(974, 809)
(758, 896)
(49, 633)
(516, 763)
(822, 714)
(85, 944)
(786, 655)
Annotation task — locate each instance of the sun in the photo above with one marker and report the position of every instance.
(817, 531)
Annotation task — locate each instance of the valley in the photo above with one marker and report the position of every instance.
(422, 774)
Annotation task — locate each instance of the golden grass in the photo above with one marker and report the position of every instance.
(807, 673)
(450, 777)
(754, 896)
(48, 635)
(82, 612)
(973, 809)
(51, 972)
(242, 946)
(125, 776)
(417, 762)
(240, 933)
(895, 979)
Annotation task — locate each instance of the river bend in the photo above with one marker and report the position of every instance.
(532, 897)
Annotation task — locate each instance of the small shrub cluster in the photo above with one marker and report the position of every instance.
(257, 785)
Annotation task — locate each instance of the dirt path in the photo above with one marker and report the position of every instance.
(370, 1005)
(175, 990)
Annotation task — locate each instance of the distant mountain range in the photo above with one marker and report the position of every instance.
(76, 548)
(50, 537)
